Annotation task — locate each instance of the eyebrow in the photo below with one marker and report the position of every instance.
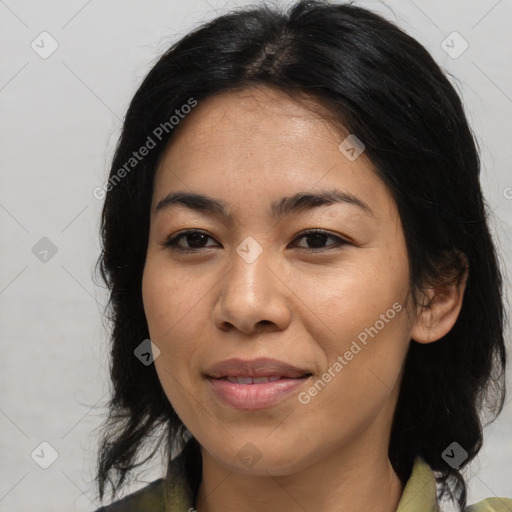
(297, 203)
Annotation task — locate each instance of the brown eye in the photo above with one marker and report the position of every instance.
(316, 239)
(195, 240)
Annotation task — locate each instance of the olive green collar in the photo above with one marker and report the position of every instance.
(420, 491)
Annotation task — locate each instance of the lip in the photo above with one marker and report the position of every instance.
(255, 395)
(261, 367)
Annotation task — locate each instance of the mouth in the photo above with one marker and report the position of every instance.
(255, 369)
(256, 384)
(260, 380)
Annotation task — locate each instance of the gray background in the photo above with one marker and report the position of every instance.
(59, 120)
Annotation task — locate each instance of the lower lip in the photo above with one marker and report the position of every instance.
(254, 396)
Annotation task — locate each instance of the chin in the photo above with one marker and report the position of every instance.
(261, 457)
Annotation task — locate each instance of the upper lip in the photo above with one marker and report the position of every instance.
(261, 367)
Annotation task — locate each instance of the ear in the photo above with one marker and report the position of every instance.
(442, 302)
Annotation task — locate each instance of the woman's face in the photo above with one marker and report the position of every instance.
(255, 284)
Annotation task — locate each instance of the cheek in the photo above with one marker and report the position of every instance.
(341, 302)
(164, 307)
(362, 366)
(167, 307)
(360, 316)
(174, 305)
(170, 299)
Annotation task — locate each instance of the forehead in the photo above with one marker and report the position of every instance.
(260, 142)
(252, 114)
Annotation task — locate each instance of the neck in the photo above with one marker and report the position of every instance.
(339, 481)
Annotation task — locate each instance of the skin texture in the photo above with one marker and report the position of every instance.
(292, 303)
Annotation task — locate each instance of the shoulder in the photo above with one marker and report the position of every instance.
(491, 505)
(147, 499)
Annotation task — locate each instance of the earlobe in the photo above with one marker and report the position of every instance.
(440, 308)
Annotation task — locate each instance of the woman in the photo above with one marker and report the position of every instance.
(294, 219)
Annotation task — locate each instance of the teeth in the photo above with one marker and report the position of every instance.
(251, 380)
(257, 380)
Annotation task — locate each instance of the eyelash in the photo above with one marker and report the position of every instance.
(172, 242)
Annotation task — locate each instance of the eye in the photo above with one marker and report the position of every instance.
(318, 237)
(196, 240)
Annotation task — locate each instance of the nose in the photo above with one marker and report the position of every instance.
(252, 298)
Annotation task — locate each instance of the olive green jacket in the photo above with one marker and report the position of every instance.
(176, 493)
